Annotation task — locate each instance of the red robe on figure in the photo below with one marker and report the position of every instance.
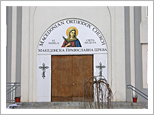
(75, 43)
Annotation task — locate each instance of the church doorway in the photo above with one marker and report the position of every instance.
(67, 74)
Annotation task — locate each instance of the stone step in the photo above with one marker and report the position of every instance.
(80, 105)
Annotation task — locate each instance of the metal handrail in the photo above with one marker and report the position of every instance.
(13, 86)
(13, 83)
(137, 91)
(11, 90)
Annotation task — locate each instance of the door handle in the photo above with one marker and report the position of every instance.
(73, 84)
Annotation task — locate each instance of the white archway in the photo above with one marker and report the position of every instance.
(92, 42)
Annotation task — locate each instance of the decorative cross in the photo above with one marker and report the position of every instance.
(43, 68)
(100, 68)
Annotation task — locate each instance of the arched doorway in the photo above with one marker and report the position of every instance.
(70, 49)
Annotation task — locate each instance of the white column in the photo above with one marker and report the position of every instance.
(30, 87)
(14, 31)
(25, 55)
(132, 53)
(145, 65)
(112, 51)
(120, 54)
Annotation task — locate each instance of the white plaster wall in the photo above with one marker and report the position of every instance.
(110, 21)
(44, 84)
(144, 42)
(144, 25)
(103, 58)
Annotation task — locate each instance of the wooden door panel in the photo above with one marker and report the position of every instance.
(61, 78)
(82, 69)
(69, 70)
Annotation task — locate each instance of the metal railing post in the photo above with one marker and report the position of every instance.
(12, 96)
(137, 91)
(15, 91)
(132, 97)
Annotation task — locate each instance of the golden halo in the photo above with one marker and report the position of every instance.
(67, 31)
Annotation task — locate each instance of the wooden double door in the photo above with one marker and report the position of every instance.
(68, 72)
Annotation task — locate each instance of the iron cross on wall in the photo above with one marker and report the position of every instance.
(43, 68)
(100, 68)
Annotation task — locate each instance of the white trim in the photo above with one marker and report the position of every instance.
(132, 53)
(110, 58)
